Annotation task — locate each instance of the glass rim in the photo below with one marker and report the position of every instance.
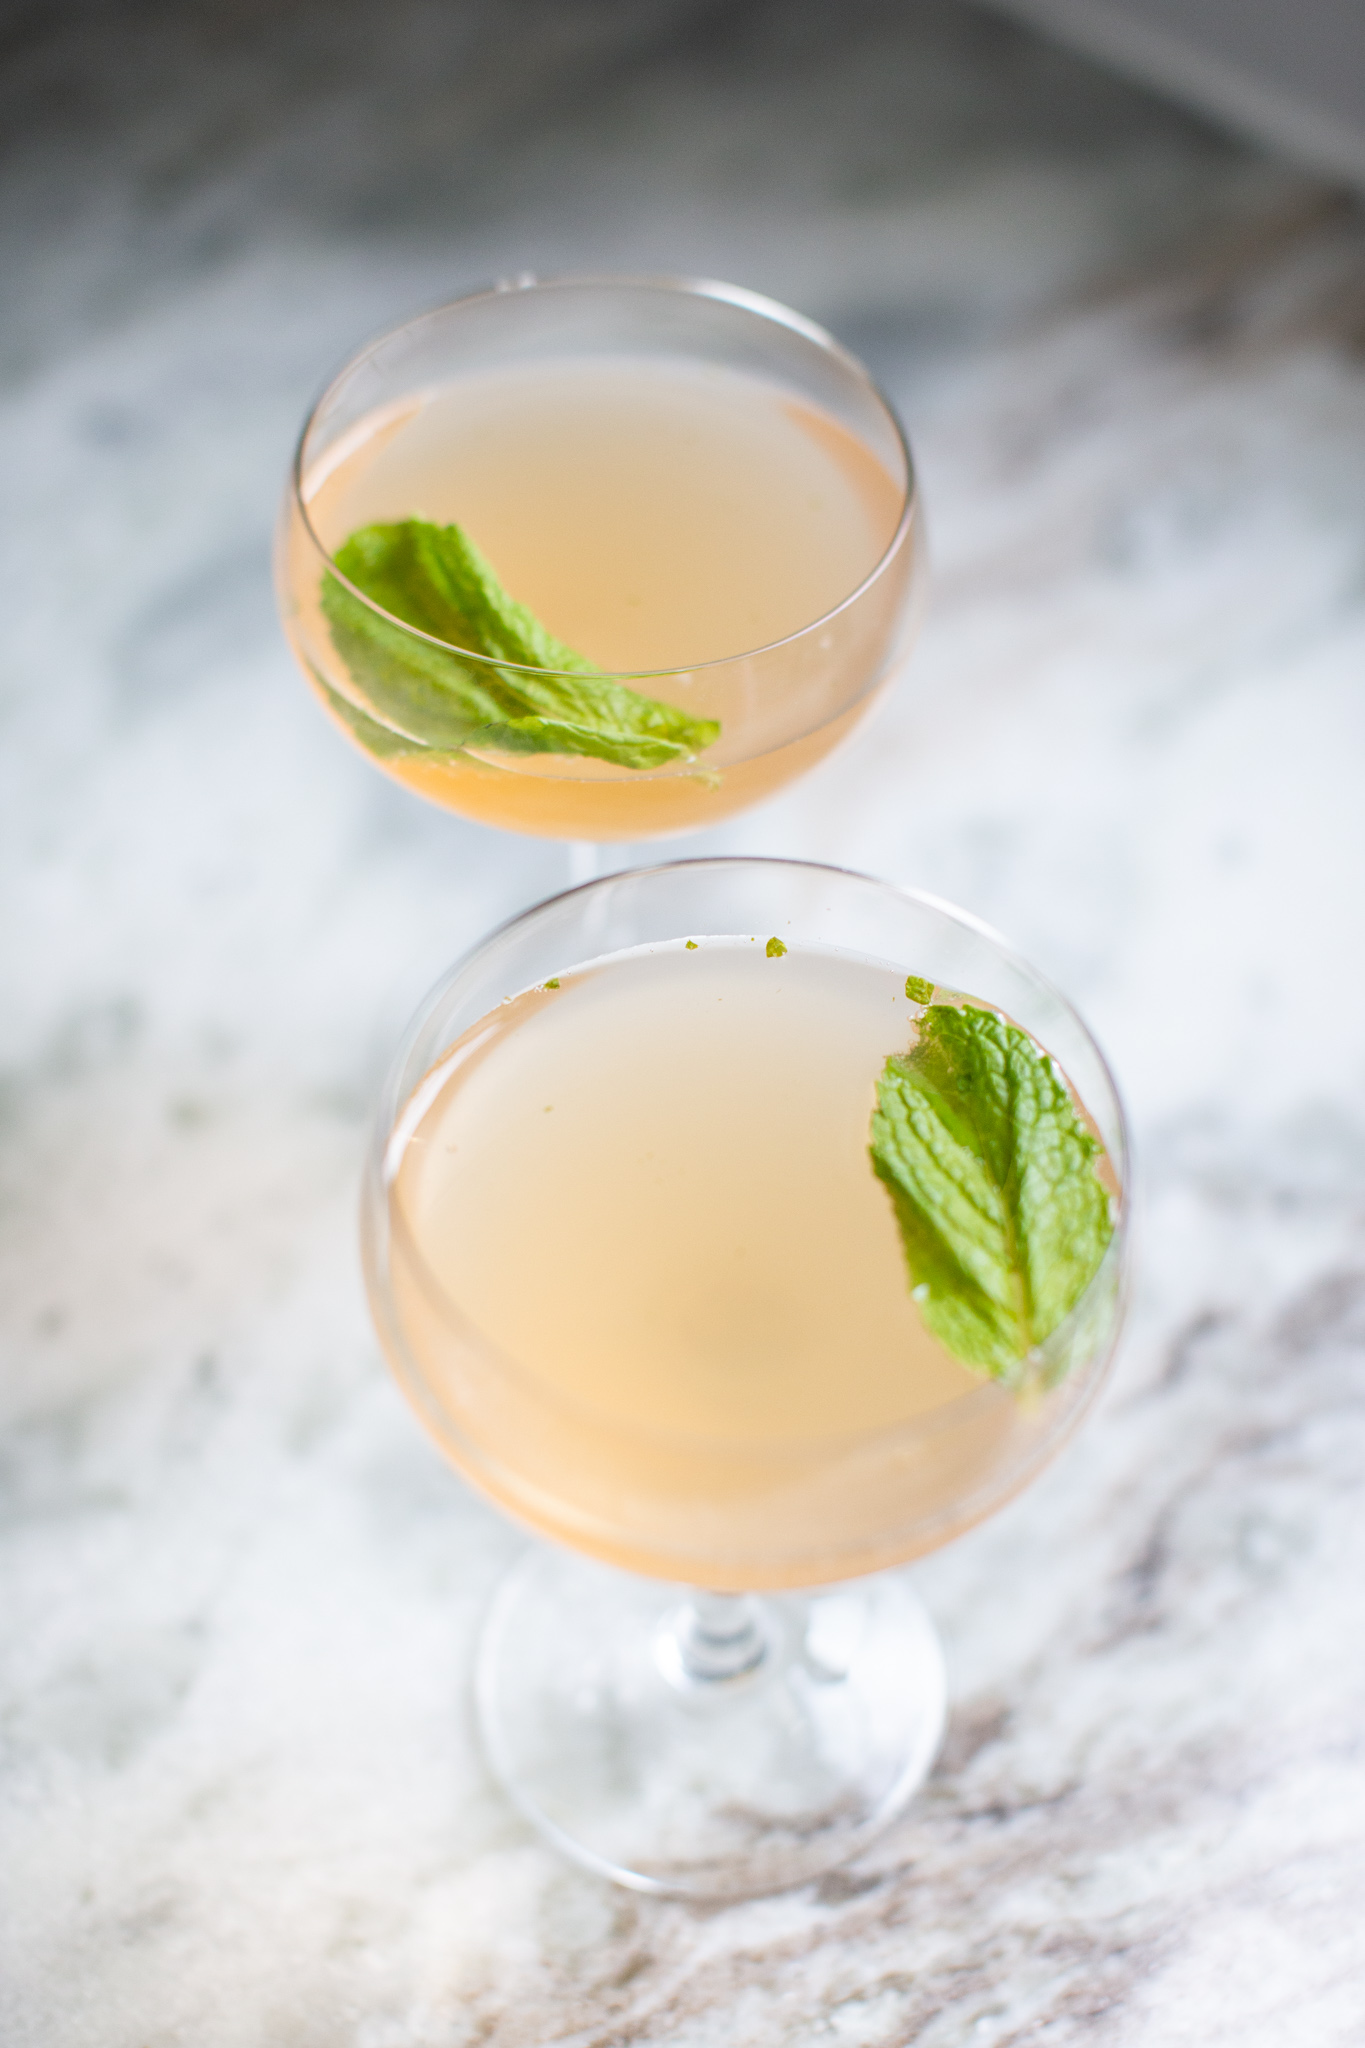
(1112, 1269)
(743, 300)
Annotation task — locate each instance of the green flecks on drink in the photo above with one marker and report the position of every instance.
(775, 949)
(991, 1173)
(691, 945)
(489, 674)
(918, 990)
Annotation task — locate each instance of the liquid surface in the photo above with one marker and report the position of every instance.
(651, 514)
(644, 1287)
(651, 1190)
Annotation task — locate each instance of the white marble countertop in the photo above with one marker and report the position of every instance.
(239, 1801)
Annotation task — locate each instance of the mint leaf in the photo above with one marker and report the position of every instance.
(992, 1176)
(434, 578)
(918, 990)
(380, 740)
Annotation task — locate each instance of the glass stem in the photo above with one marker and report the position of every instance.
(585, 861)
(714, 1638)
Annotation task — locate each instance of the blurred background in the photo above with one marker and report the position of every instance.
(1126, 336)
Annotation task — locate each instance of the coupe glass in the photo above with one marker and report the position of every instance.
(781, 706)
(745, 1737)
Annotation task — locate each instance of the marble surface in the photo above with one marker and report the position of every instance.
(239, 1801)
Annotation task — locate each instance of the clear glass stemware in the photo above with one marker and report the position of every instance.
(782, 705)
(747, 1735)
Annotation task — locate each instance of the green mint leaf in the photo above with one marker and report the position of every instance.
(992, 1176)
(434, 578)
(918, 989)
(553, 982)
(691, 945)
(775, 949)
(378, 739)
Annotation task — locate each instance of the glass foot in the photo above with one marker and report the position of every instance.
(708, 1745)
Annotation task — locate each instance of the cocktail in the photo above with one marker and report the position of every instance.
(600, 559)
(753, 1227)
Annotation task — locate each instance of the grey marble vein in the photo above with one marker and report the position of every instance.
(239, 1799)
